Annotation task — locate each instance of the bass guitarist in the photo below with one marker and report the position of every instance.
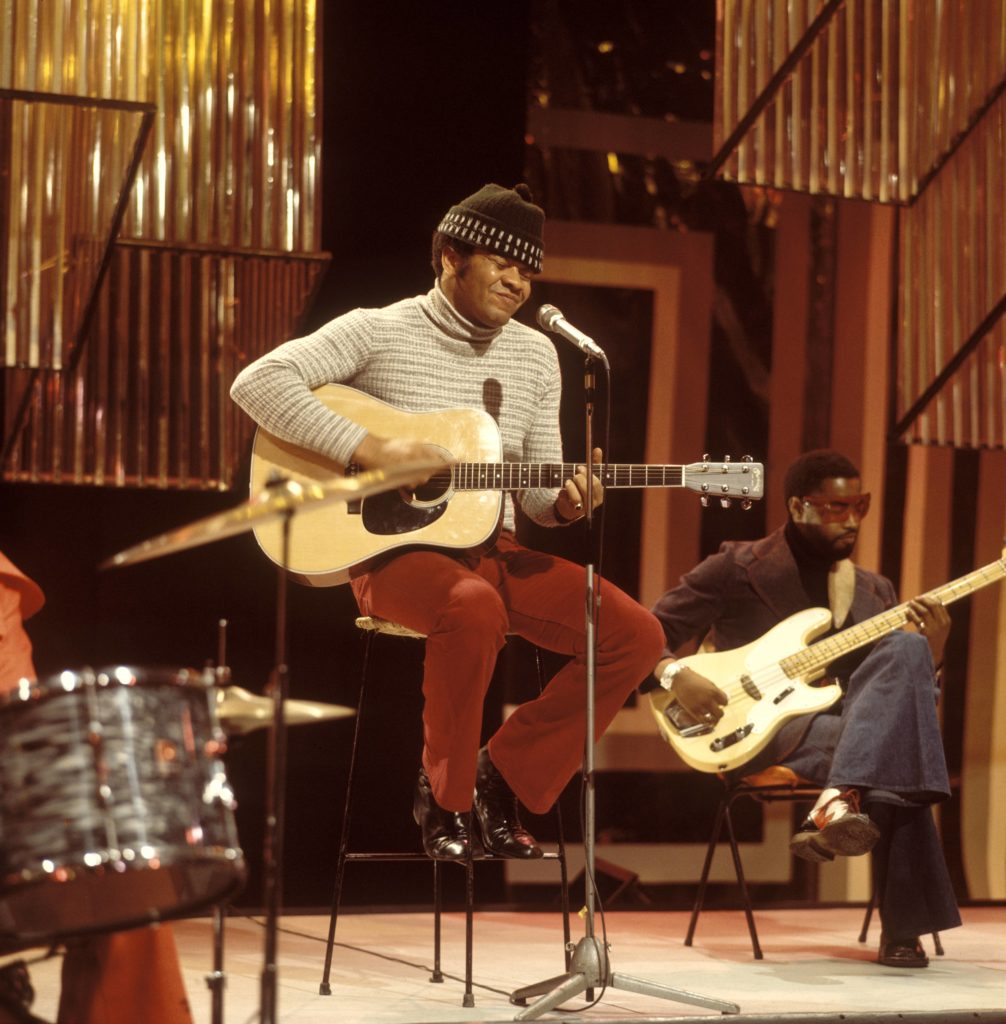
(878, 751)
(458, 346)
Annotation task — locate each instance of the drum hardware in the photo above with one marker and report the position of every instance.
(217, 980)
(114, 805)
(278, 502)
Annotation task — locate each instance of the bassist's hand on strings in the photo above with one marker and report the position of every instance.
(701, 698)
(930, 617)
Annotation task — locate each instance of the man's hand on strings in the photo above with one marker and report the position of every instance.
(572, 499)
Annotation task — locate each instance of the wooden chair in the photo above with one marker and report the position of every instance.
(372, 628)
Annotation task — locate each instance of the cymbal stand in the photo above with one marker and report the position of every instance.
(275, 788)
(590, 967)
(216, 980)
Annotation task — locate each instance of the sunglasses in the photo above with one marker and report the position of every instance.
(832, 511)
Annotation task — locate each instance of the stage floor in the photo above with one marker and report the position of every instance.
(813, 965)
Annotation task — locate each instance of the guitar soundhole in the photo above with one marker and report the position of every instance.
(404, 511)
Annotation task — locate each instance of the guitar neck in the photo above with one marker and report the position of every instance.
(513, 476)
(812, 660)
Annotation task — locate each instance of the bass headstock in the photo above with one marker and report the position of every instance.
(726, 480)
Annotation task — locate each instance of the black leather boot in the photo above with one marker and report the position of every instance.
(496, 810)
(445, 833)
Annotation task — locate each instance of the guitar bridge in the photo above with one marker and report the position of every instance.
(685, 725)
(731, 738)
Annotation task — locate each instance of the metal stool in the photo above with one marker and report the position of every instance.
(373, 627)
(773, 784)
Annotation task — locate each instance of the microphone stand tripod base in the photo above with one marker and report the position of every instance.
(590, 969)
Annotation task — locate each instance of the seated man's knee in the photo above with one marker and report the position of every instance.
(479, 609)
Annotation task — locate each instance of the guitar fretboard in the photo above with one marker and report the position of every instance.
(812, 660)
(514, 476)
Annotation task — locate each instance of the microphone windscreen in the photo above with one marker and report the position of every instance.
(547, 316)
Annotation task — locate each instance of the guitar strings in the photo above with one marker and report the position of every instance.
(809, 659)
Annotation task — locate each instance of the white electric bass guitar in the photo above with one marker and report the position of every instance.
(769, 680)
(458, 508)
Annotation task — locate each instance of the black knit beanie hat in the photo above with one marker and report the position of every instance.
(502, 220)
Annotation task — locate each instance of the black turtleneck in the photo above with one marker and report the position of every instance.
(814, 567)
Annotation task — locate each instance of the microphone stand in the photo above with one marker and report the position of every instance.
(590, 967)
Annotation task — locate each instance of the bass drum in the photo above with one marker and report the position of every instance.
(115, 810)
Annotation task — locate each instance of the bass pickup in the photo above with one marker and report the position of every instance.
(731, 738)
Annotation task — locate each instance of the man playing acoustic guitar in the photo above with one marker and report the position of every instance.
(458, 347)
(877, 751)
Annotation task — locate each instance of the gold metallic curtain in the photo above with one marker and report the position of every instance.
(223, 217)
(879, 97)
(59, 211)
(952, 274)
(903, 102)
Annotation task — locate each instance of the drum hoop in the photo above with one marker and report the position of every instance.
(165, 857)
(108, 677)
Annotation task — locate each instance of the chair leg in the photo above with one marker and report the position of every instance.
(867, 916)
(325, 987)
(739, 870)
(700, 897)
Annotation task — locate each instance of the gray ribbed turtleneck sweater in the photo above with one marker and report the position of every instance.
(421, 355)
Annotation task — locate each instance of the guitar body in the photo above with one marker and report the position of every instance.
(748, 724)
(334, 542)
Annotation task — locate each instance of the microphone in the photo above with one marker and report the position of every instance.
(551, 319)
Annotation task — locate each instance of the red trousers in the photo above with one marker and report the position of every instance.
(466, 606)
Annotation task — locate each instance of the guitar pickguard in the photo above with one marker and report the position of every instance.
(389, 514)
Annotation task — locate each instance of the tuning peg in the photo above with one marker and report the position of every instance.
(746, 458)
(746, 504)
(725, 503)
(726, 458)
(704, 501)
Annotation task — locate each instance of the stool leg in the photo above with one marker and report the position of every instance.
(325, 987)
(469, 996)
(700, 896)
(438, 904)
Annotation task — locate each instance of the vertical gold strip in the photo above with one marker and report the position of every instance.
(797, 127)
(764, 69)
(747, 70)
(832, 105)
(885, 104)
(814, 114)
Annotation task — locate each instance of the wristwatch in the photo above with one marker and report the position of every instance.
(667, 676)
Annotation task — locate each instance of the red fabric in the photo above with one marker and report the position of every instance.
(20, 598)
(466, 607)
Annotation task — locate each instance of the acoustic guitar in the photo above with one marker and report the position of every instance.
(459, 508)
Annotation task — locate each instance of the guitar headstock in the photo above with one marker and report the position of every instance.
(726, 480)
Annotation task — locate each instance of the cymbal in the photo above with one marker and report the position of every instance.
(241, 712)
(273, 502)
